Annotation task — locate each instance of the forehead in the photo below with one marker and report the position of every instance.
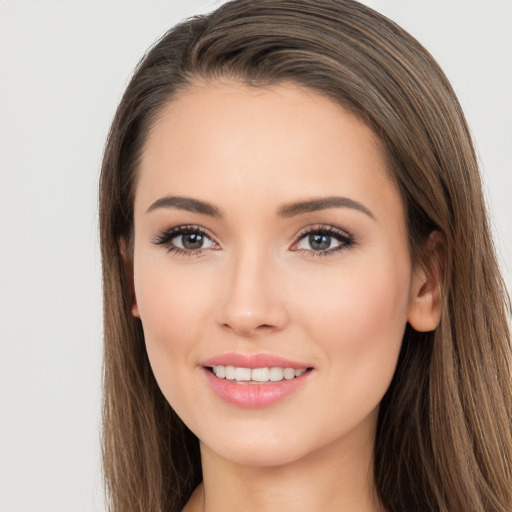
(222, 140)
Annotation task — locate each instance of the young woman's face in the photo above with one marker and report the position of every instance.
(269, 242)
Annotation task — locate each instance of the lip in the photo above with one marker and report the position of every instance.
(253, 361)
(254, 396)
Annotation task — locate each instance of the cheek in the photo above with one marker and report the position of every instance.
(171, 298)
(359, 319)
(172, 304)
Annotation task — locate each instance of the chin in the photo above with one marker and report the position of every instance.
(258, 457)
(262, 450)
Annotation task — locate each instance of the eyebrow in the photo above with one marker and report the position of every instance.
(286, 211)
(323, 203)
(185, 203)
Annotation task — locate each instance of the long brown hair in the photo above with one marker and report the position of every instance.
(444, 440)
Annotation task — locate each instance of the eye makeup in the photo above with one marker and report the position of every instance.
(186, 240)
(312, 241)
(323, 240)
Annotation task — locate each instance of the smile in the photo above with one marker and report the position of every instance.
(256, 375)
(239, 385)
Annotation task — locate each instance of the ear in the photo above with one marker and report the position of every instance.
(126, 254)
(425, 301)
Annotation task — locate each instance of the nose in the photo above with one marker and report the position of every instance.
(252, 302)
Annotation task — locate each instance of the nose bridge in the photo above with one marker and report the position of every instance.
(251, 301)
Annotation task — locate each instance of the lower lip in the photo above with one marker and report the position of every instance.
(254, 396)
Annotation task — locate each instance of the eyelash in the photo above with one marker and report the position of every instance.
(166, 237)
(346, 240)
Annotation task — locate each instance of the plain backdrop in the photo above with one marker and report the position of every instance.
(63, 67)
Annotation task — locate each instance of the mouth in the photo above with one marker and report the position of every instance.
(254, 376)
(255, 381)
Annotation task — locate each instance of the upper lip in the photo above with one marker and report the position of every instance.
(253, 361)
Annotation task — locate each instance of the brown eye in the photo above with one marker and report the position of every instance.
(186, 240)
(190, 241)
(319, 242)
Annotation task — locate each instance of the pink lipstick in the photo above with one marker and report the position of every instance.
(256, 380)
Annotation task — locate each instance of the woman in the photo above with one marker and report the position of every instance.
(302, 302)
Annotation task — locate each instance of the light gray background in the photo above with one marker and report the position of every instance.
(63, 67)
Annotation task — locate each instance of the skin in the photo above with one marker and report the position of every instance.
(260, 287)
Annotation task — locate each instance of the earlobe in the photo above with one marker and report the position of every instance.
(425, 301)
(128, 268)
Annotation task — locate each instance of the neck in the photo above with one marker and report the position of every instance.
(337, 478)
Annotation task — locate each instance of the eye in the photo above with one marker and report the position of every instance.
(322, 240)
(191, 241)
(186, 240)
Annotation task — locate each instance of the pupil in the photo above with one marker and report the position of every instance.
(319, 242)
(192, 241)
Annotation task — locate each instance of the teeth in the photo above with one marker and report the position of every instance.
(289, 373)
(220, 371)
(230, 372)
(260, 374)
(274, 374)
(242, 374)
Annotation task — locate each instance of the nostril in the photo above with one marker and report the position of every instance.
(247, 328)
